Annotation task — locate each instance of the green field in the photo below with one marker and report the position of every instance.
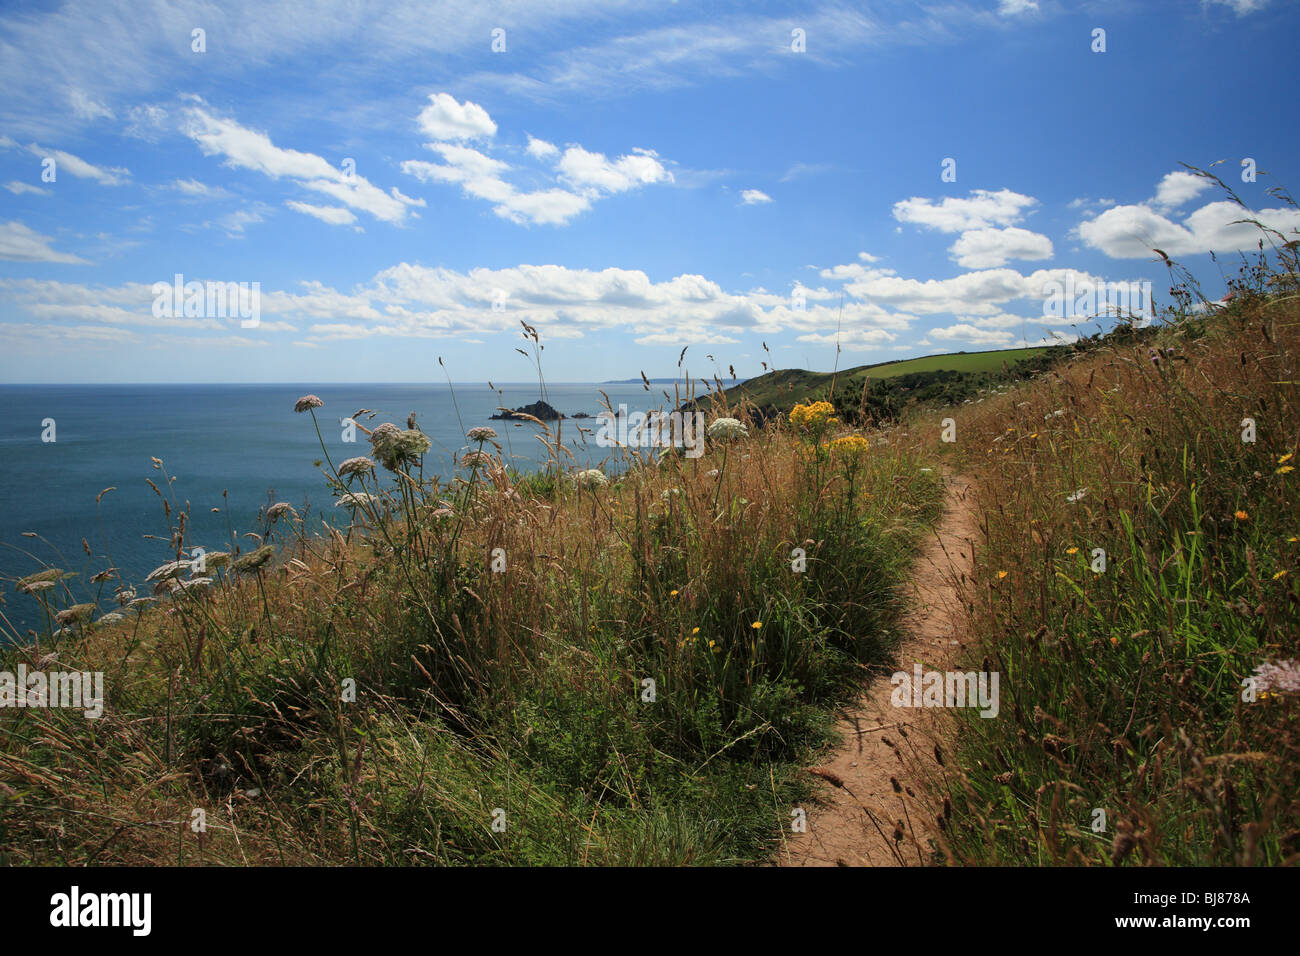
(788, 386)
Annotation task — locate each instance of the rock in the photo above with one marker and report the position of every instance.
(539, 410)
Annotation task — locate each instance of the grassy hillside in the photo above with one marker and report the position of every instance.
(785, 388)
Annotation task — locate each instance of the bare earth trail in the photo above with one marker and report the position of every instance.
(855, 822)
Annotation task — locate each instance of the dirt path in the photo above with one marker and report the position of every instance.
(864, 820)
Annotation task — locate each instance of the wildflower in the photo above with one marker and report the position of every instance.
(1114, 642)
(169, 570)
(1241, 515)
(307, 403)
(278, 510)
(1280, 575)
(1071, 550)
(75, 614)
(112, 617)
(356, 466)
(215, 560)
(851, 444)
(441, 513)
(672, 593)
(757, 625)
(669, 494)
(724, 429)
(1077, 495)
(481, 433)
(1002, 574)
(394, 446)
(45, 579)
(254, 559)
(1284, 470)
(1283, 676)
(812, 416)
(1285, 458)
(591, 479)
(695, 630)
(476, 459)
(355, 499)
(182, 587)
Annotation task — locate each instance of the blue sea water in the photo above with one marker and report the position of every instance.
(229, 447)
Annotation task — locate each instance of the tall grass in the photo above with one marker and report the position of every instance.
(1129, 730)
(459, 674)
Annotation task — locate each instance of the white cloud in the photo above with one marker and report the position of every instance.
(1132, 232)
(76, 166)
(18, 188)
(18, 243)
(245, 148)
(751, 197)
(1011, 8)
(989, 248)
(962, 332)
(983, 209)
(334, 215)
(595, 172)
(446, 119)
(581, 177)
(83, 107)
(1177, 188)
(541, 149)
(1242, 7)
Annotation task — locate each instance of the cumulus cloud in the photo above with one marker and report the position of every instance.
(580, 176)
(751, 197)
(982, 209)
(963, 332)
(989, 248)
(1177, 188)
(1132, 232)
(446, 119)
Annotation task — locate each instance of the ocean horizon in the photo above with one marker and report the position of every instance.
(231, 447)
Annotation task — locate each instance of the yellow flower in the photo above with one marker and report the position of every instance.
(853, 444)
(1241, 516)
(1293, 539)
(1071, 550)
(1280, 575)
(1284, 469)
(1115, 641)
(756, 625)
(1034, 435)
(812, 416)
(1002, 574)
(672, 593)
(1285, 458)
(695, 630)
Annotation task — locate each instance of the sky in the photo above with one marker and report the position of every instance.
(398, 186)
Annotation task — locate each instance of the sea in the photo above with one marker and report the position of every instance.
(232, 448)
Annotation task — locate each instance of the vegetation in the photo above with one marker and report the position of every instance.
(464, 675)
(1137, 586)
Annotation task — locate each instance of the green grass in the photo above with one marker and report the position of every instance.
(787, 387)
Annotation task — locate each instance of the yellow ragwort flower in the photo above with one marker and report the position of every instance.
(756, 625)
(1241, 515)
(1071, 550)
(1002, 574)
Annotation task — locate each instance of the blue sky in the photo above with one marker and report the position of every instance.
(630, 178)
